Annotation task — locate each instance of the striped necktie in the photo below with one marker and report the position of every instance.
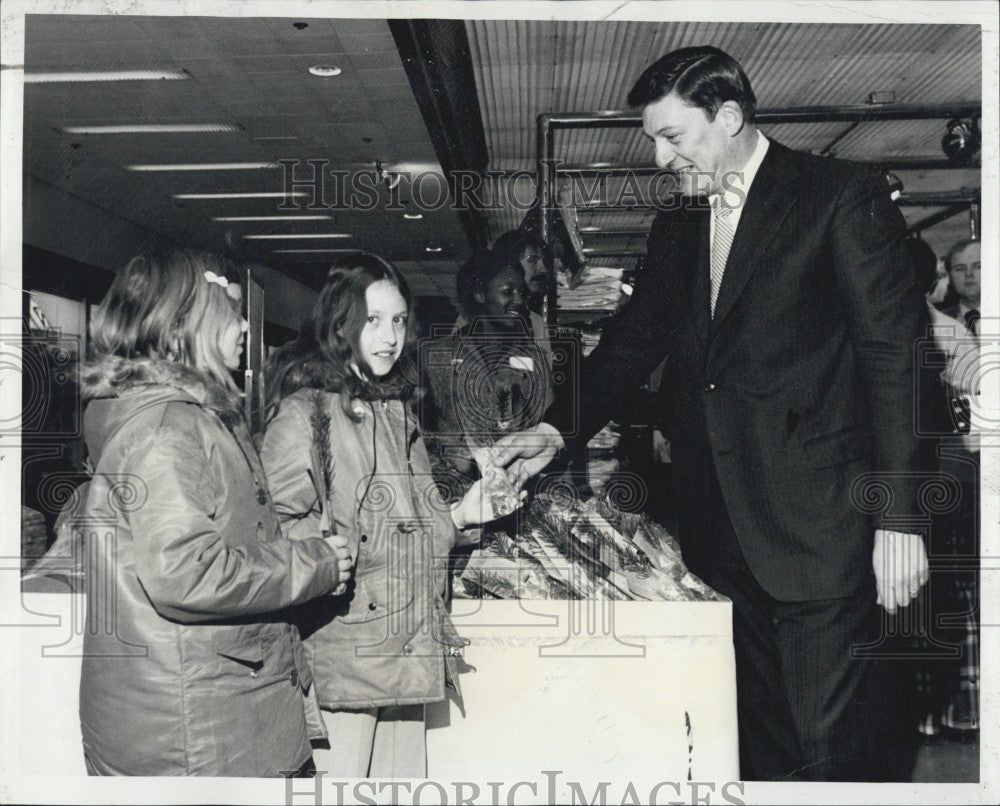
(972, 321)
(722, 241)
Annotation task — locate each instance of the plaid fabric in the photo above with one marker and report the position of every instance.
(962, 711)
(948, 691)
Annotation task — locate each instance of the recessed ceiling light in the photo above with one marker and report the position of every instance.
(204, 166)
(413, 216)
(107, 75)
(280, 195)
(150, 128)
(273, 218)
(325, 70)
(432, 249)
(289, 235)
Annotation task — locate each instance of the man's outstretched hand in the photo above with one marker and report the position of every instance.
(528, 453)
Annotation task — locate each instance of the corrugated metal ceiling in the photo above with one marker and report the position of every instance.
(525, 68)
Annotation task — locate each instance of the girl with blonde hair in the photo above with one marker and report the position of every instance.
(193, 667)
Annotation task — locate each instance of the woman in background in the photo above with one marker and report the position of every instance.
(194, 671)
(489, 378)
(343, 454)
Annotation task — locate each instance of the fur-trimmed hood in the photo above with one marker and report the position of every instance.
(315, 373)
(116, 388)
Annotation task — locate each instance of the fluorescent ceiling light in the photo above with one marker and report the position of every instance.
(310, 251)
(413, 216)
(273, 218)
(204, 166)
(107, 75)
(286, 235)
(279, 195)
(150, 128)
(432, 249)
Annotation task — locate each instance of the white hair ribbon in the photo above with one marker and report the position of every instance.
(212, 277)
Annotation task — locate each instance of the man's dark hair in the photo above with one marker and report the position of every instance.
(703, 76)
(514, 243)
(465, 282)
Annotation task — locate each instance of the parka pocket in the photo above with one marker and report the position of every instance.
(242, 656)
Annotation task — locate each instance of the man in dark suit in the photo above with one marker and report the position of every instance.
(787, 312)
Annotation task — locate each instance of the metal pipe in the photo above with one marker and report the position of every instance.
(829, 146)
(615, 253)
(937, 218)
(800, 114)
(614, 233)
(544, 180)
(938, 199)
(889, 163)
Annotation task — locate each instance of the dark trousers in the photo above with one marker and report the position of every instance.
(809, 708)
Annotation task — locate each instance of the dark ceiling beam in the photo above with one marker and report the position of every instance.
(435, 54)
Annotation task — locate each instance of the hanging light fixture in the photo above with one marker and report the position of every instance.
(962, 143)
(389, 179)
(895, 186)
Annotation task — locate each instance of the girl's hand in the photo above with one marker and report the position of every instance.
(345, 562)
(491, 497)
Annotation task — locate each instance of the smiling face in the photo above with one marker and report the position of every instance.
(384, 332)
(504, 299)
(964, 272)
(688, 143)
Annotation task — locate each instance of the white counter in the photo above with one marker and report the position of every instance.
(613, 703)
(641, 690)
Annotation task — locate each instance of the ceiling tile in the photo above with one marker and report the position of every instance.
(368, 43)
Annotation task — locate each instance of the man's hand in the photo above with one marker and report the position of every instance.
(900, 565)
(345, 562)
(528, 453)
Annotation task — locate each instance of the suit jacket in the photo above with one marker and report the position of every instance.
(799, 388)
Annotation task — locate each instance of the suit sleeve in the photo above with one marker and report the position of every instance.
(187, 569)
(887, 316)
(632, 344)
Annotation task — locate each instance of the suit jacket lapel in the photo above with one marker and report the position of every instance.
(768, 202)
(700, 288)
(690, 257)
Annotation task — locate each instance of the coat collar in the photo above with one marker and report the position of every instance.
(111, 376)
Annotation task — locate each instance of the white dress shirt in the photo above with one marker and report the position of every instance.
(738, 187)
